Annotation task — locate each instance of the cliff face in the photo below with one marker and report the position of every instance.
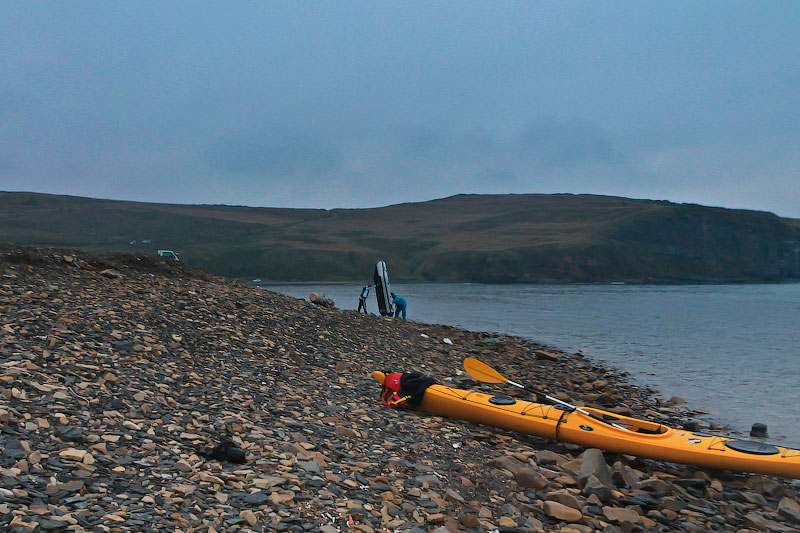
(479, 238)
(673, 244)
(694, 241)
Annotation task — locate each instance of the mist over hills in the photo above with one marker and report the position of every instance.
(465, 238)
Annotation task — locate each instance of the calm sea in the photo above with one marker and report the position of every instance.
(733, 350)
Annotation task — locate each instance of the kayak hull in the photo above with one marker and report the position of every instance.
(594, 430)
(382, 291)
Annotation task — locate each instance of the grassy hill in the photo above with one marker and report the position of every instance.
(482, 238)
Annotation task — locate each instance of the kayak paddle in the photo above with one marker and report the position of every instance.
(483, 372)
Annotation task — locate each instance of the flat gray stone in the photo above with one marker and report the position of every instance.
(256, 498)
(309, 466)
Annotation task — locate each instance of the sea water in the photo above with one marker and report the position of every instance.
(733, 350)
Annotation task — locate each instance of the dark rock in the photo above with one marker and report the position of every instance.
(646, 502)
(789, 509)
(52, 525)
(13, 449)
(693, 483)
(309, 466)
(70, 434)
(508, 463)
(594, 464)
(598, 488)
(227, 451)
(699, 509)
(530, 478)
(691, 425)
(256, 498)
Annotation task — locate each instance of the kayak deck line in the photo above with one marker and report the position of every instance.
(596, 428)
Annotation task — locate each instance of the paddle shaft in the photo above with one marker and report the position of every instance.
(565, 404)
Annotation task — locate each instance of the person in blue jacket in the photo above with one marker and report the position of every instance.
(399, 304)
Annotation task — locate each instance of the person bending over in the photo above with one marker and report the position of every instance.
(399, 305)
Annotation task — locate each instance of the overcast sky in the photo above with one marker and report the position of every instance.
(345, 104)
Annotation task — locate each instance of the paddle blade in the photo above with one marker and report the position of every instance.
(483, 372)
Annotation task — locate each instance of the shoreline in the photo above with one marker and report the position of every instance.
(117, 373)
(627, 337)
(358, 283)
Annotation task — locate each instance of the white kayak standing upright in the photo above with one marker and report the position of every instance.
(382, 291)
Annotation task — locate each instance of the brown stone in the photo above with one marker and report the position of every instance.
(506, 521)
(621, 514)
(772, 487)
(530, 478)
(573, 465)
(453, 496)
(346, 432)
(283, 497)
(507, 462)
(669, 514)
(559, 511)
(547, 456)
(543, 355)
(436, 518)
(249, 516)
(756, 521)
(183, 466)
(469, 520)
(789, 509)
(111, 273)
(19, 522)
(72, 454)
(652, 484)
(565, 498)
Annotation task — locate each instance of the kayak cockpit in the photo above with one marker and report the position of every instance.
(643, 427)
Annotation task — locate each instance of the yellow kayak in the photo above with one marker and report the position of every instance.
(595, 428)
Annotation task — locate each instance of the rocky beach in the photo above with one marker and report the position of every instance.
(120, 374)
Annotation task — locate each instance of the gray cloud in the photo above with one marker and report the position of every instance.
(566, 143)
(365, 104)
(275, 153)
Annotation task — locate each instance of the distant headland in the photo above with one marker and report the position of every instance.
(519, 238)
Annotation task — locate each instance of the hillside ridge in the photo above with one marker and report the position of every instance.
(462, 238)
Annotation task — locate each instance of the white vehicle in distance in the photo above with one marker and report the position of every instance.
(168, 253)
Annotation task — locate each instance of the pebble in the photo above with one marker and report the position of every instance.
(256, 498)
(114, 388)
(530, 478)
(621, 514)
(562, 512)
(565, 498)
